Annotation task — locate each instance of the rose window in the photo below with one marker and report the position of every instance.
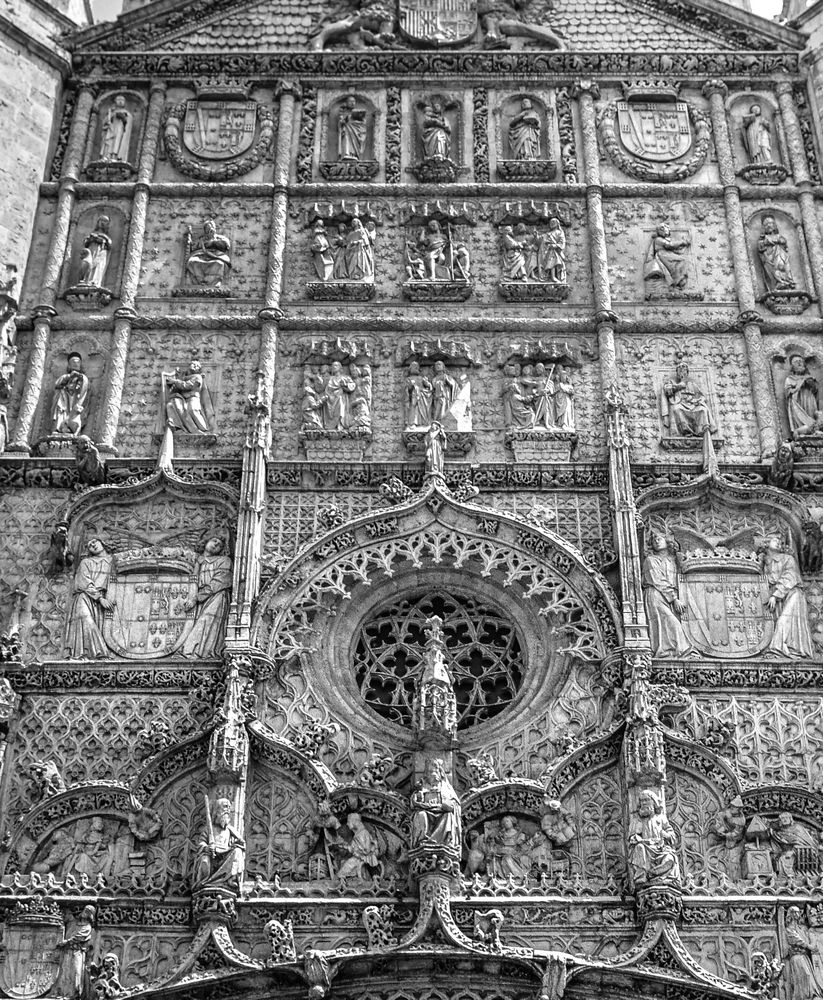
(482, 652)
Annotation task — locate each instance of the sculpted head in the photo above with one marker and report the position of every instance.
(336, 368)
(797, 364)
(350, 102)
(785, 819)
(769, 225)
(439, 367)
(221, 812)
(414, 368)
(525, 104)
(214, 546)
(648, 804)
(354, 822)
(554, 223)
(209, 227)
(664, 230)
(95, 547)
(433, 771)
(682, 371)
(755, 110)
(195, 367)
(74, 362)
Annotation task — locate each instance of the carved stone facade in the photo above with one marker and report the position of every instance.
(411, 584)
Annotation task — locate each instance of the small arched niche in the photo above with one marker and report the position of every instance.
(757, 137)
(349, 139)
(524, 139)
(777, 246)
(114, 136)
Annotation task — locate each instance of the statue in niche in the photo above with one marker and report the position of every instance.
(71, 392)
(663, 604)
(684, 406)
(524, 132)
(652, 856)
(773, 250)
(668, 260)
(96, 252)
(436, 131)
(499, 18)
(211, 603)
(551, 254)
(788, 839)
(360, 852)
(436, 817)
(221, 851)
(799, 974)
(564, 416)
(436, 443)
(337, 389)
(351, 130)
(802, 402)
(787, 602)
(116, 132)
(208, 260)
(418, 397)
(75, 947)
(757, 135)
(84, 640)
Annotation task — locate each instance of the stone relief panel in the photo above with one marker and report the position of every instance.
(181, 809)
(145, 954)
(114, 136)
(726, 946)
(780, 260)
(228, 362)
(758, 138)
(180, 256)
(648, 363)
(93, 736)
(670, 252)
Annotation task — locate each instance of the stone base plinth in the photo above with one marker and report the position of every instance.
(335, 446)
(348, 170)
(764, 173)
(337, 291)
(202, 292)
(535, 446)
(526, 170)
(89, 296)
(787, 302)
(457, 442)
(533, 291)
(437, 291)
(435, 171)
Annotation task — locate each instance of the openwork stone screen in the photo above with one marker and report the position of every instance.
(484, 656)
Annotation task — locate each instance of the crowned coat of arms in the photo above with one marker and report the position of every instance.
(31, 962)
(438, 22)
(218, 130)
(654, 131)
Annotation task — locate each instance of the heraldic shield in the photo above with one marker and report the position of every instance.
(218, 130)
(438, 22)
(654, 131)
(31, 963)
(152, 591)
(726, 612)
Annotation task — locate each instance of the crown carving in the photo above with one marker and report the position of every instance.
(168, 558)
(223, 87)
(36, 911)
(651, 90)
(720, 560)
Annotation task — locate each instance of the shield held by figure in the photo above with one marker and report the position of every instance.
(654, 131)
(31, 963)
(151, 589)
(218, 130)
(726, 601)
(438, 22)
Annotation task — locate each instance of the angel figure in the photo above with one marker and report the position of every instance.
(186, 406)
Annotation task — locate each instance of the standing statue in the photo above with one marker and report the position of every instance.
(436, 442)
(787, 602)
(684, 406)
(757, 135)
(70, 394)
(444, 389)
(96, 252)
(116, 132)
(652, 856)
(337, 390)
(84, 639)
(551, 254)
(211, 602)
(524, 132)
(322, 253)
(668, 259)
(802, 403)
(517, 399)
(75, 948)
(435, 810)
(418, 398)
(208, 259)
(358, 253)
(361, 398)
(221, 852)
(436, 131)
(361, 851)
(514, 256)
(311, 406)
(799, 974)
(564, 401)
(773, 250)
(663, 604)
(351, 130)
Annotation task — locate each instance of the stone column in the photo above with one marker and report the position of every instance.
(44, 309)
(803, 181)
(249, 547)
(133, 254)
(764, 402)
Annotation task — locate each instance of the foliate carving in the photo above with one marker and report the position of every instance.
(568, 141)
(394, 126)
(94, 264)
(657, 135)
(241, 140)
(69, 104)
(668, 266)
(305, 144)
(480, 135)
(281, 941)
(343, 260)
(804, 117)
(378, 923)
(756, 134)
(438, 122)
(207, 263)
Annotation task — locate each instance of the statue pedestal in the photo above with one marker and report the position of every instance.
(336, 446)
(348, 170)
(812, 444)
(659, 901)
(533, 291)
(689, 444)
(539, 446)
(201, 292)
(88, 296)
(214, 906)
(437, 291)
(763, 173)
(335, 291)
(788, 302)
(526, 170)
(433, 859)
(58, 445)
(436, 170)
(110, 170)
(457, 442)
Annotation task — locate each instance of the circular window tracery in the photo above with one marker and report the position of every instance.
(483, 655)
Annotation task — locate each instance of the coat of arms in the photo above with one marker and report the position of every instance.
(726, 599)
(656, 131)
(219, 130)
(438, 22)
(31, 962)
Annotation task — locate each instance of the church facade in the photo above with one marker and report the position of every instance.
(413, 567)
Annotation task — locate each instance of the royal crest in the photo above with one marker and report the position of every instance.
(654, 131)
(31, 963)
(153, 592)
(219, 130)
(438, 22)
(726, 605)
